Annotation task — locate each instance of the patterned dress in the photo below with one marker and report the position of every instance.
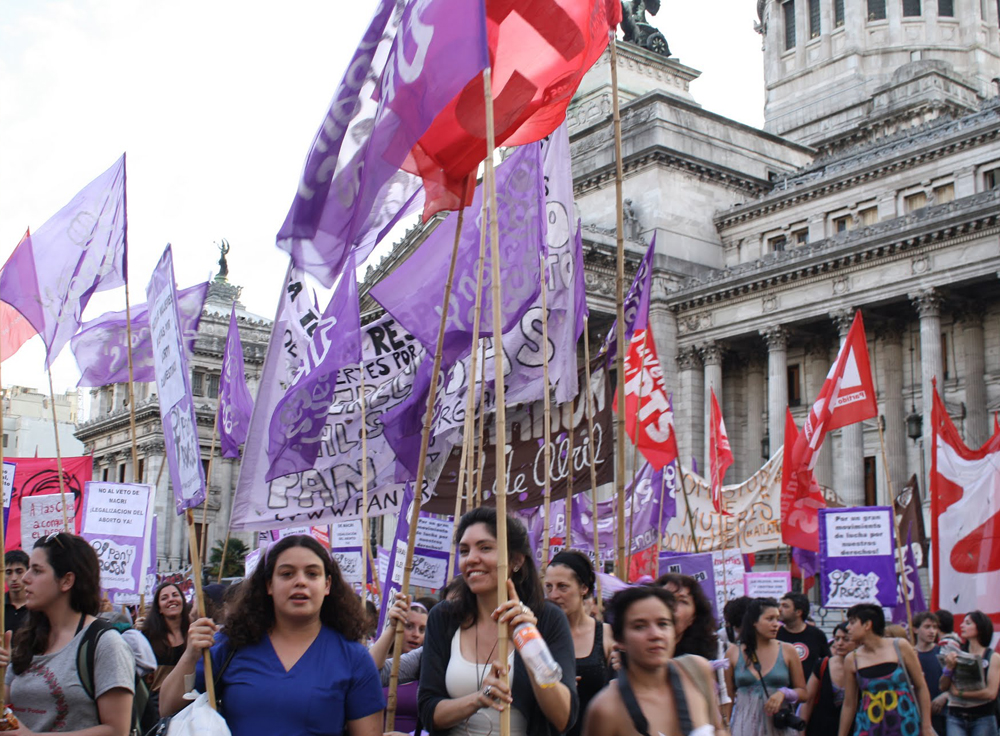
(888, 706)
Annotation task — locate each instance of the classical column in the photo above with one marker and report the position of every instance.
(818, 361)
(977, 421)
(663, 323)
(711, 358)
(777, 383)
(849, 469)
(752, 454)
(927, 302)
(689, 405)
(890, 336)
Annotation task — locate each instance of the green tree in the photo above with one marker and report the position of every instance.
(233, 567)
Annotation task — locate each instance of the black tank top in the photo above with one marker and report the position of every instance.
(593, 673)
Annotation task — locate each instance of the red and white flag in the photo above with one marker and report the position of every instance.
(847, 396)
(720, 455)
(965, 519)
(649, 417)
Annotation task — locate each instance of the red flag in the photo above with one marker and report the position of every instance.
(649, 417)
(15, 330)
(854, 400)
(801, 496)
(539, 52)
(720, 455)
(965, 518)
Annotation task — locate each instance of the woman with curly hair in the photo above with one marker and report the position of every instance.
(290, 658)
(63, 596)
(165, 627)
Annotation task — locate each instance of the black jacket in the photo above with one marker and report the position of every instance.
(441, 628)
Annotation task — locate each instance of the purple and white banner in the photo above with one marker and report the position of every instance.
(857, 561)
(346, 544)
(698, 565)
(235, 404)
(173, 383)
(909, 585)
(118, 522)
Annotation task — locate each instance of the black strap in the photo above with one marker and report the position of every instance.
(680, 703)
(635, 712)
(79, 626)
(87, 653)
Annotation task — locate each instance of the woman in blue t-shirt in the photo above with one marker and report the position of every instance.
(297, 664)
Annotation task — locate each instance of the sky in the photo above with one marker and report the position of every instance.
(215, 103)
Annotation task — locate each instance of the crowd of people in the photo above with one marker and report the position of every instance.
(293, 651)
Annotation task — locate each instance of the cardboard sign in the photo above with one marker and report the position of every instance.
(772, 584)
(42, 516)
(118, 523)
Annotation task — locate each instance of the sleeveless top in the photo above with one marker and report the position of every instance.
(825, 718)
(778, 676)
(887, 705)
(593, 673)
(464, 678)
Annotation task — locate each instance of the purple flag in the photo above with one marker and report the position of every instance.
(408, 67)
(296, 426)
(173, 385)
(912, 588)
(80, 250)
(807, 560)
(580, 307)
(235, 404)
(636, 303)
(412, 292)
(101, 345)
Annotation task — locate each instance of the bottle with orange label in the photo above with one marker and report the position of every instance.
(536, 655)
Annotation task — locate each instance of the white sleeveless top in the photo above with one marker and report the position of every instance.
(462, 678)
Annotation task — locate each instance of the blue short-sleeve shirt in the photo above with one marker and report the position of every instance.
(334, 682)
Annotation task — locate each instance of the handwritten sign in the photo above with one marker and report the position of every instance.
(8, 490)
(772, 584)
(118, 523)
(42, 516)
(856, 557)
(346, 540)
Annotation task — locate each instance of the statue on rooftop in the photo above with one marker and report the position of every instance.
(223, 265)
(639, 30)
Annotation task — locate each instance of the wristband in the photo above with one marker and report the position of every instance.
(947, 672)
(790, 695)
(719, 664)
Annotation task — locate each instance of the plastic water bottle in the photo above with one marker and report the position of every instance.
(536, 655)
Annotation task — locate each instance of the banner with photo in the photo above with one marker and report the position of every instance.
(857, 557)
(118, 523)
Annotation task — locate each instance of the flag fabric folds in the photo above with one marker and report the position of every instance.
(965, 518)
(846, 397)
(720, 454)
(101, 345)
(649, 415)
(296, 426)
(80, 250)
(15, 330)
(539, 52)
(412, 61)
(636, 305)
(235, 404)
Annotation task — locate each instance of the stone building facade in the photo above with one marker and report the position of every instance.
(106, 433)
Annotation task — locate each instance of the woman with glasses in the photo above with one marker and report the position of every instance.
(290, 660)
(63, 594)
(463, 684)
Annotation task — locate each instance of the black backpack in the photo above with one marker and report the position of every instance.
(85, 662)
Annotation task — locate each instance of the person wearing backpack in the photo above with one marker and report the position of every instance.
(45, 684)
(653, 692)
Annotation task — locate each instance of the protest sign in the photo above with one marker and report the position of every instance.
(251, 561)
(8, 490)
(346, 544)
(754, 523)
(773, 584)
(117, 521)
(857, 564)
(38, 476)
(699, 566)
(42, 516)
(729, 572)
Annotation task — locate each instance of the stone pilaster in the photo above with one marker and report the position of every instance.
(977, 421)
(927, 302)
(689, 405)
(890, 344)
(777, 382)
(711, 358)
(849, 468)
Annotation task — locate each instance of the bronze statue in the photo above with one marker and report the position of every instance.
(223, 266)
(639, 30)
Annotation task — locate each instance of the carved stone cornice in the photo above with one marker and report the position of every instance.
(970, 315)
(776, 338)
(927, 302)
(712, 354)
(688, 359)
(890, 331)
(818, 347)
(843, 319)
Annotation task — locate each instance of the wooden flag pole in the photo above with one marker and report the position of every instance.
(895, 527)
(59, 468)
(593, 458)
(547, 416)
(480, 463)
(687, 505)
(208, 484)
(659, 526)
(365, 534)
(501, 410)
(131, 388)
(635, 452)
(569, 475)
(620, 299)
(390, 711)
(225, 550)
(480, 456)
(200, 598)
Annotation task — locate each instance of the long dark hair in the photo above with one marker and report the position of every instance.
(252, 616)
(155, 627)
(67, 553)
(984, 630)
(700, 637)
(748, 634)
(526, 581)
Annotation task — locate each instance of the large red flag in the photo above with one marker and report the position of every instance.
(15, 330)
(965, 518)
(720, 455)
(847, 396)
(649, 417)
(539, 52)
